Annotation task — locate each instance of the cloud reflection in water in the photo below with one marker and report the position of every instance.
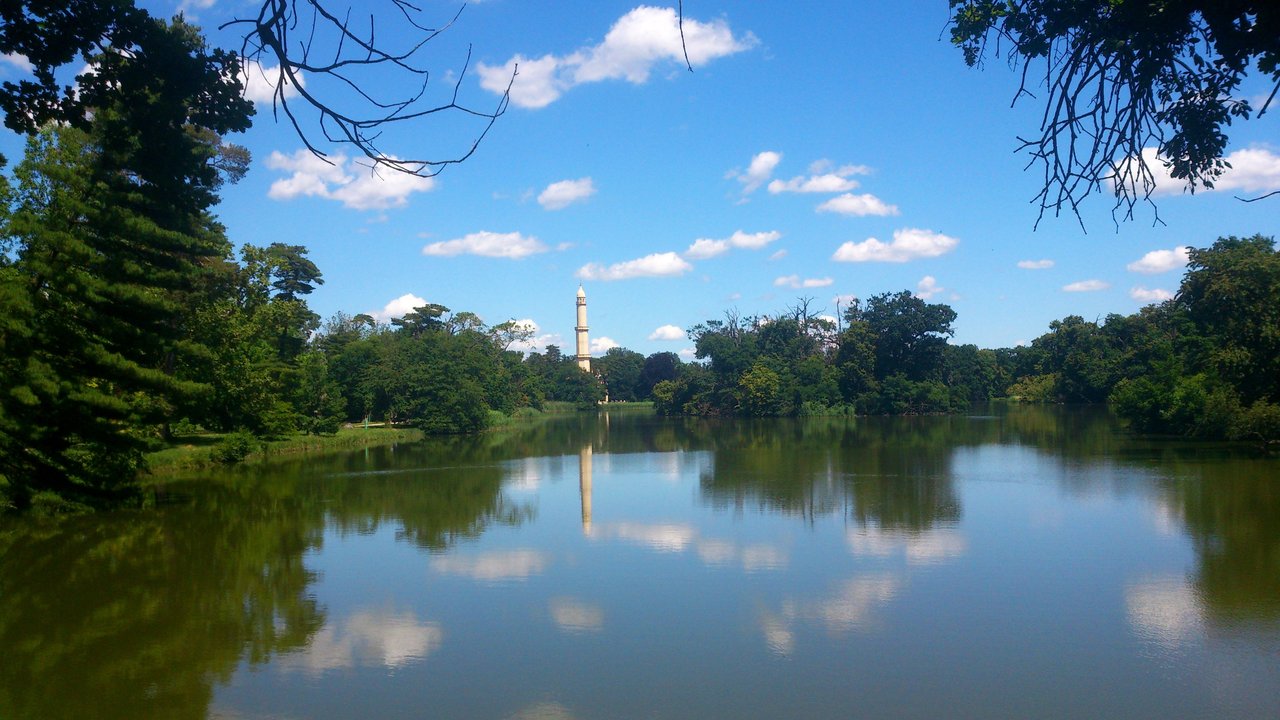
(367, 638)
(494, 566)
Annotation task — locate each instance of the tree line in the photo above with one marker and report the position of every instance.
(1203, 364)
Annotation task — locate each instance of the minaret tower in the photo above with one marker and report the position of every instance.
(584, 347)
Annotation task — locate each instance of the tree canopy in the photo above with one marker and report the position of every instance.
(1120, 77)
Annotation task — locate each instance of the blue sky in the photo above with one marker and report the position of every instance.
(821, 150)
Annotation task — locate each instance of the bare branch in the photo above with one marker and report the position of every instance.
(1260, 197)
(360, 117)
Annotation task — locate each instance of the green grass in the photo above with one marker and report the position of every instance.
(192, 452)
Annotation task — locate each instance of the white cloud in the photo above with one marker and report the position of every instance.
(187, 5)
(260, 82)
(1152, 295)
(1086, 286)
(538, 341)
(704, 248)
(398, 307)
(844, 300)
(821, 179)
(18, 62)
(1035, 264)
(600, 345)
(688, 354)
(495, 565)
(760, 169)
(928, 287)
(796, 282)
(908, 244)
(561, 194)
(777, 255)
(511, 245)
(753, 241)
(858, 205)
(1253, 170)
(537, 85)
(351, 183)
(1159, 261)
(656, 265)
(638, 42)
(667, 332)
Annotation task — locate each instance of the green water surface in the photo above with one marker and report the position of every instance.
(1020, 563)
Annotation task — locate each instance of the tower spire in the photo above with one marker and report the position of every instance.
(584, 346)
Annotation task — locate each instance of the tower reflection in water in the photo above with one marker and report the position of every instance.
(584, 486)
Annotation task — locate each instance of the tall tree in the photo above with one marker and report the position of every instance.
(112, 232)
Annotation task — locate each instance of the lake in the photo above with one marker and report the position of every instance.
(1022, 562)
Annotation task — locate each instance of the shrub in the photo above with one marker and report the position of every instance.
(234, 447)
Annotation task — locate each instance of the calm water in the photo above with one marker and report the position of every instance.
(1035, 564)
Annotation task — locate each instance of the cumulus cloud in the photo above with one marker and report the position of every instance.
(602, 344)
(928, 287)
(354, 185)
(1159, 261)
(638, 42)
(18, 62)
(822, 179)
(858, 205)
(656, 265)
(511, 245)
(537, 340)
(562, 194)
(260, 82)
(667, 332)
(760, 170)
(398, 307)
(1035, 264)
(1152, 295)
(1253, 170)
(796, 282)
(908, 244)
(1086, 286)
(753, 241)
(704, 248)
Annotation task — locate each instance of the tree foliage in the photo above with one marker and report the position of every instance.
(1121, 76)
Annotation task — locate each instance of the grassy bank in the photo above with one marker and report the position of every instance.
(193, 452)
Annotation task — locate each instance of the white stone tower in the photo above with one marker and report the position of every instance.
(584, 346)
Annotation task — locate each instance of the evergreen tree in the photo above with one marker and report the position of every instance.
(112, 232)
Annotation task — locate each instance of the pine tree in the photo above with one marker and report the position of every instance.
(112, 231)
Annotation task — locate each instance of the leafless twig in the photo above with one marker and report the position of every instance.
(270, 39)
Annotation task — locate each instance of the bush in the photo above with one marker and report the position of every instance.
(234, 447)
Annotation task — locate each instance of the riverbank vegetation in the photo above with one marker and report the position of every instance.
(1205, 363)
